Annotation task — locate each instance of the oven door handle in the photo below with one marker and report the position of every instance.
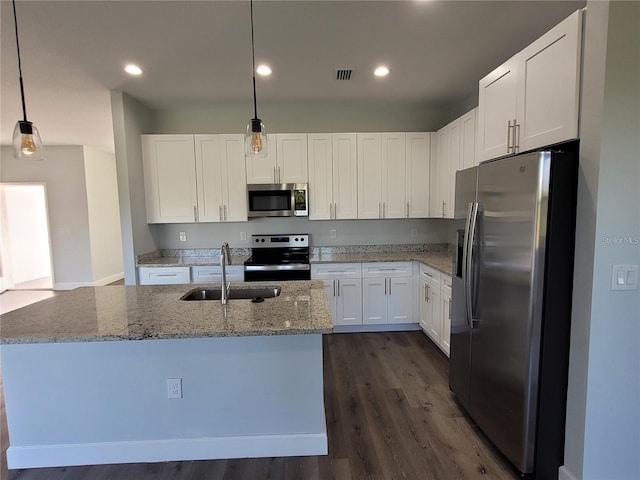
(277, 268)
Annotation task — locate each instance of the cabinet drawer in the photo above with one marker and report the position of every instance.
(163, 275)
(213, 273)
(336, 270)
(430, 274)
(387, 269)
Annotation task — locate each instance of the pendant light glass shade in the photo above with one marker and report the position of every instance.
(26, 141)
(255, 140)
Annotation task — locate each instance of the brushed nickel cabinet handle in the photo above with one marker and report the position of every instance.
(509, 136)
(220, 212)
(195, 213)
(407, 209)
(516, 137)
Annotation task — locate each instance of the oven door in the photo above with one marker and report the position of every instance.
(259, 273)
(270, 200)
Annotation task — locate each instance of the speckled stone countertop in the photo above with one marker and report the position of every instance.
(440, 260)
(95, 314)
(433, 255)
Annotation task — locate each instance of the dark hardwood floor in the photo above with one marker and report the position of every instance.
(390, 415)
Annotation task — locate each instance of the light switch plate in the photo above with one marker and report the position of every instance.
(624, 277)
(183, 236)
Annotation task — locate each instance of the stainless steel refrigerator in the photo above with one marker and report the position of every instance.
(511, 302)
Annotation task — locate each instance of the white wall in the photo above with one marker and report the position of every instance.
(130, 120)
(104, 215)
(603, 415)
(63, 173)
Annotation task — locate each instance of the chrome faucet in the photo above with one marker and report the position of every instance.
(225, 259)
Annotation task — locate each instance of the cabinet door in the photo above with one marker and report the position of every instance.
(453, 165)
(394, 169)
(445, 320)
(399, 300)
(330, 287)
(444, 171)
(548, 87)
(163, 275)
(345, 176)
(435, 205)
(434, 330)
(263, 170)
(424, 307)
(468, 139)
(209, 178)
(234, 179)
(369, 175)
(496, 108)
(170, 178)
(374, 300)
(418, 157)
(320, 176)
(292, 158)
(348, 301)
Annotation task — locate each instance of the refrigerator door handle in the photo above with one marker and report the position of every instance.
(465, 254)
(469, 263)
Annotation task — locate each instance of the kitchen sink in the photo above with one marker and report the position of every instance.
(235, 292)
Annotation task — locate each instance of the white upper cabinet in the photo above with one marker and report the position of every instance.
(549, 86)
(447, 164)
(381, 175)
(394, 173)
(194, 178)
(333, 180)
(286, 161)
(532, 100)
(170, 178)
(221, 179)
(468, 139)
(369, 175)
(418, 156)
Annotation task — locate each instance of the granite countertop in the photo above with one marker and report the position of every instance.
(440, 260)
(189, 261)
(95, 314)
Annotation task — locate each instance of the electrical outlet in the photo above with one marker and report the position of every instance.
(243, 235)
(332, 233)
(414, 233)
(174, 388)
(183, 236)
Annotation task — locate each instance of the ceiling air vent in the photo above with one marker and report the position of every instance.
(343, 73)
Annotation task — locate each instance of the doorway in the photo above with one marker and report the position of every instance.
(25, 238)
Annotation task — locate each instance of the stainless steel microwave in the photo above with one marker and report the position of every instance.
(278, 200)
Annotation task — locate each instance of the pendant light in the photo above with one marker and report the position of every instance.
(26, 139)
(255, 139)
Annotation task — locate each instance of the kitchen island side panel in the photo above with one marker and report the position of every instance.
(106, 402)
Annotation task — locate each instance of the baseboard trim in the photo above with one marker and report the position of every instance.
(565, 474)
(167, 450)
(97, 283)
(387, 327)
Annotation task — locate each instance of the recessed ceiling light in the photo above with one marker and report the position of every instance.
(263, 70)
(381, 71)
(132, 69)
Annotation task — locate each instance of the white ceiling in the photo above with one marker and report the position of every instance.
(198, 53)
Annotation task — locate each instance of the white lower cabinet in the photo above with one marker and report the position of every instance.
(343, 283)
(163, 275)
(435, 306)
(213, 273)
(387, 292)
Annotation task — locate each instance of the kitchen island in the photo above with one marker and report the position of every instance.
(86, 376)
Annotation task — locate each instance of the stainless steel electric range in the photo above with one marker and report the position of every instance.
(278, 257)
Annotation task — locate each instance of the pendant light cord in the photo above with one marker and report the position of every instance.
(15, 20)
(253, 63)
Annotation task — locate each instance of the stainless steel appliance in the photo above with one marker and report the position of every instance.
(278, 200)
(511, 302)
(278, 257)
